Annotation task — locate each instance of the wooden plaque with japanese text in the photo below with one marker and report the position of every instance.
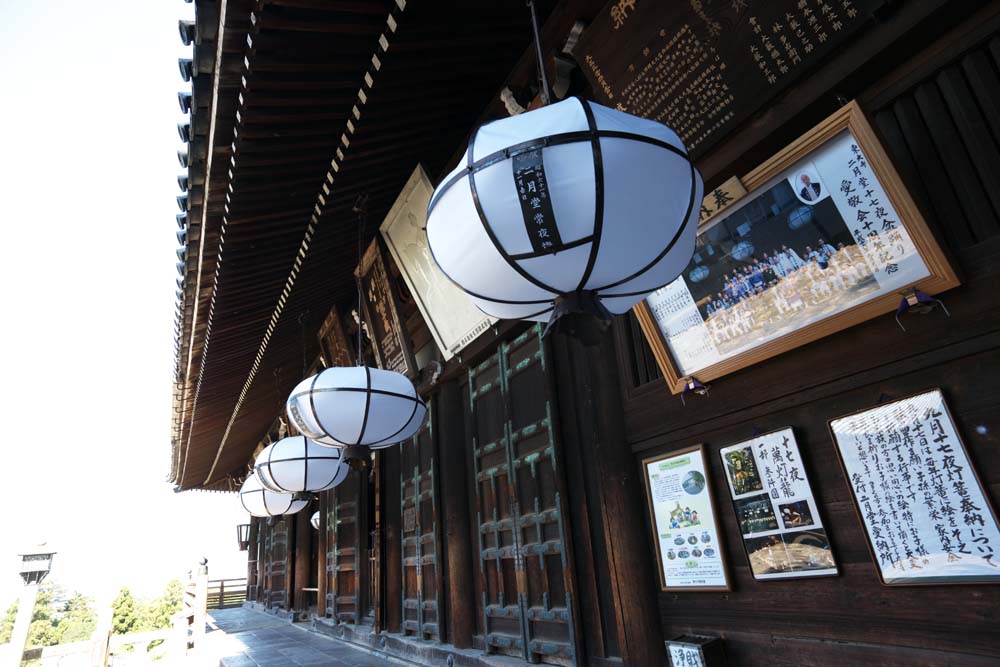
(703, 67)
(390, 340)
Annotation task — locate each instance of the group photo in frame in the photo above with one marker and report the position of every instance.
(685, 529)
(926, 516)
(826, 238)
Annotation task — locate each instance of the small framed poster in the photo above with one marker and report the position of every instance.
(922, 505)
(452, 318)
(779, 521)
(686, 534)
(827, 238)
(390, 339)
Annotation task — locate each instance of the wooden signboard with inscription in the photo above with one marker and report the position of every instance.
(702, 67)
(333, 343)
(390, 340)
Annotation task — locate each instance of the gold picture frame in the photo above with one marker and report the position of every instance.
(941, 276)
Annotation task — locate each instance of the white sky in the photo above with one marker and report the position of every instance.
(88, 112)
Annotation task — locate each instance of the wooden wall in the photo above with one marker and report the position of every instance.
(938, 115)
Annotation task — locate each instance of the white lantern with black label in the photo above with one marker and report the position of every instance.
(571, 208)
(297, 465)
(261, 502)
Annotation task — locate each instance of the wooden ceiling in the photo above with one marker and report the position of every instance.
(297, 107)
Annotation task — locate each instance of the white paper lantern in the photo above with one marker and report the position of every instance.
(573, 207)
(314, 520)
(261, 502)
(356, 405)
(297, 464)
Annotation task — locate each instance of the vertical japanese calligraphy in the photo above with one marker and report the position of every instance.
(924, 510)
(536, 204)
(775, 508)
(390, 340)
(682, 513)
(702, 67)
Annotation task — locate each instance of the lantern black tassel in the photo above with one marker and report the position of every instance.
(580, 315)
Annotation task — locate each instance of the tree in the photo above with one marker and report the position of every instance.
(125, 617)
(7, 623)
(158, 614)
(77, 620)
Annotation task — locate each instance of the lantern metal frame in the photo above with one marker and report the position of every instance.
(243, 536)
(34, 573)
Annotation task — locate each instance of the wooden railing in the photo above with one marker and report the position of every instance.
(225, 593)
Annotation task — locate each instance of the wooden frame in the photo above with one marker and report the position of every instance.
(373, 276)
(941, 275)
(988, 511)
(799, 574)
(720, 545)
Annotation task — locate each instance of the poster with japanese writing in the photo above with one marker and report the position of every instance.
(827, 237)
(451, 316)
(922, 505)
(682, 513)
(775, 509)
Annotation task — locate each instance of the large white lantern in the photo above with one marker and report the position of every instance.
(299, 465)
(356, 406)
(261, 502)
(570, 208)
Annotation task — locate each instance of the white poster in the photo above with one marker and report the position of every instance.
(686, 530)
(921, 503)
(452, 318)
(814, 241)
(775, 508)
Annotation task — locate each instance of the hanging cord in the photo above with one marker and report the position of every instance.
(361, 208)
(542, 80)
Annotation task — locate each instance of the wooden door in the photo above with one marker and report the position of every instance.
(421, 542)
(343, 554)
(525, 564)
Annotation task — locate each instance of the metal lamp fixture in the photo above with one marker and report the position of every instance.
(314, 520)
(243, 536)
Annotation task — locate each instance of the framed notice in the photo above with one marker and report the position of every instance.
(827, 238)
(685, 532)
(449, 313)
(921, 502)
(779, 521)
(390, 340)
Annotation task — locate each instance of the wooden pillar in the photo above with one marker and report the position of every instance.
(392, 532)
(459, 562)
(302, 558)
(252, 558)
(606, 507)
(321, 558)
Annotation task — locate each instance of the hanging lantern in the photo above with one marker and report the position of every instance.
(800, 217)
(698, 273)
(261, 502)
(314, 520)
(742, 251)
(572, 208)
(298, 465)
(356, 406)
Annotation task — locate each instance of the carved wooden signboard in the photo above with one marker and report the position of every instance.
(333, 343)
(703, 66)
(388, 335)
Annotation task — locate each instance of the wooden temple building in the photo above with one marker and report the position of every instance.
(519, 522)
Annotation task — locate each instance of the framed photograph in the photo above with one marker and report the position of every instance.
(390, 340)
(779, 521)
(925, 514)
(449, 313)
(333, 342)
(827, 238)
(686, 534)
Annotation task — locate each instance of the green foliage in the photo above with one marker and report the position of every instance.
(157, 614)
(125, 617)
(78, 620)
(7, 623)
